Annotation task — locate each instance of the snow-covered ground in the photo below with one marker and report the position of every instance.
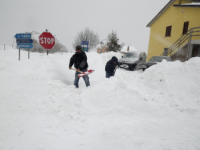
(40, 109)
(6, 47)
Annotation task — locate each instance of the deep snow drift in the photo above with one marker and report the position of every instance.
(40, 109)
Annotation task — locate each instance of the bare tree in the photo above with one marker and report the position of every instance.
(37, 47)
(58, 47)
(87, 35)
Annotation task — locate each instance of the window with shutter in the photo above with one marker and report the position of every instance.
(165, 51)
(185, 27)
(168, 31)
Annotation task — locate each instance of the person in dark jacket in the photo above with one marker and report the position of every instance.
(79, 60)
(110, 67)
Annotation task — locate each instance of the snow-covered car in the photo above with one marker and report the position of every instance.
(154, 60)
(132, 59)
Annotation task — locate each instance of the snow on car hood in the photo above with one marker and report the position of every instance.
(128, 60)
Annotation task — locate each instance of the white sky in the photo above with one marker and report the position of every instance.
(65, 18)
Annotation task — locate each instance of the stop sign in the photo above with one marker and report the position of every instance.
(47, 40)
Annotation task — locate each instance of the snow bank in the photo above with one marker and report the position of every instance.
(41, 109)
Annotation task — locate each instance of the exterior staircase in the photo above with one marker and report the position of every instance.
(174, 51)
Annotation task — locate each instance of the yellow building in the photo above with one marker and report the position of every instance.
(175, 30)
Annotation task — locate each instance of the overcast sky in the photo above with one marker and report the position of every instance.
(65, 18)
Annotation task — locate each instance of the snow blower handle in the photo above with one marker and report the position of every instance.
(76, 70)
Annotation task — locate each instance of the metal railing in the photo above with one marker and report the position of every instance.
(187, 36)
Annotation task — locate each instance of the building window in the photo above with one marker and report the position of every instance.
(185, 27)
(165, 53)
(168, 31)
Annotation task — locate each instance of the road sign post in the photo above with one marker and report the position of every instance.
(47, 41)
(25, 45)
(84, 46)
(23, 36)
(24, 40)
(19, 53)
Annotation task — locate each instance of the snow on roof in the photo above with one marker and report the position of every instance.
(98, 45)
(131, 48)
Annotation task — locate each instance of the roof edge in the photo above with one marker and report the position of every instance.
(186, 5)
(161, 12)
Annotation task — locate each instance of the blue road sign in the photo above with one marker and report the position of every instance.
(84, 45)
(24, 41)
(23, 36)
(24, 45)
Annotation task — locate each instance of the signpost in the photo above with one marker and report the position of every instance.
(84, 45)
(24, 40)
(24, 45)
(23, 36)
(47, 40)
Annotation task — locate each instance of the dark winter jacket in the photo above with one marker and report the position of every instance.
(110, 66)
(79, 60)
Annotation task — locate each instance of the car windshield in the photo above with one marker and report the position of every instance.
(157, 59)
(131, 55)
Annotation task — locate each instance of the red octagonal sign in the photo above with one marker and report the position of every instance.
(47, 40)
